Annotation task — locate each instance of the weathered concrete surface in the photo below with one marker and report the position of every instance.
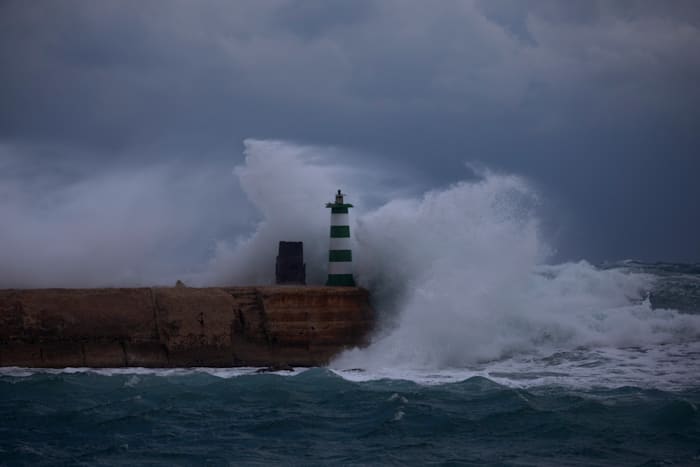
(175, 327)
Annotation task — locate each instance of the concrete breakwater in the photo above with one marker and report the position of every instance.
(181, 326)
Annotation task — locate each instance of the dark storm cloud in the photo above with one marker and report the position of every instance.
(597, 102)
(115, 73)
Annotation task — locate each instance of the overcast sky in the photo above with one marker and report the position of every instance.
(596, 102)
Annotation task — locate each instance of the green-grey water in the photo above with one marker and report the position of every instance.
(576, 405)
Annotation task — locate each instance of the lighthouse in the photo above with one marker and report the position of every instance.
(340, 253)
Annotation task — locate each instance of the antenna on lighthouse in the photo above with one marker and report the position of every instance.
(340, 253)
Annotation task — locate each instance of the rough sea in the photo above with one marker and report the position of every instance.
(487, 351)
(555, 405)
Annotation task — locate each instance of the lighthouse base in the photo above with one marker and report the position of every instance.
(340, 280)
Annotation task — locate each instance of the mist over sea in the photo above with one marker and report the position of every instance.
(486, 351)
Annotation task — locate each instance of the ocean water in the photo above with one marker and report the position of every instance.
(576, 405)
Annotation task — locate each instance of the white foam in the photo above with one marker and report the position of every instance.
(133, 381)
(461, 277)
(665, 366)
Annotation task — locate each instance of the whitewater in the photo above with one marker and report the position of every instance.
(461, 277)
(485, 350)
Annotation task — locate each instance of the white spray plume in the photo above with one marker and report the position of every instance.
(457, 275)
(123, 227)
(288, 185)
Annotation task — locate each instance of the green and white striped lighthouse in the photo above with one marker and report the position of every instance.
(340, 253)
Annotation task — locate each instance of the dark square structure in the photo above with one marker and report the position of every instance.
(290, 268)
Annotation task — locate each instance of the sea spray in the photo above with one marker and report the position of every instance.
(463, 242)
(458, 275)
(288, 185)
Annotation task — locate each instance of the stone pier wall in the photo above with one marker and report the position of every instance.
(181, 326)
